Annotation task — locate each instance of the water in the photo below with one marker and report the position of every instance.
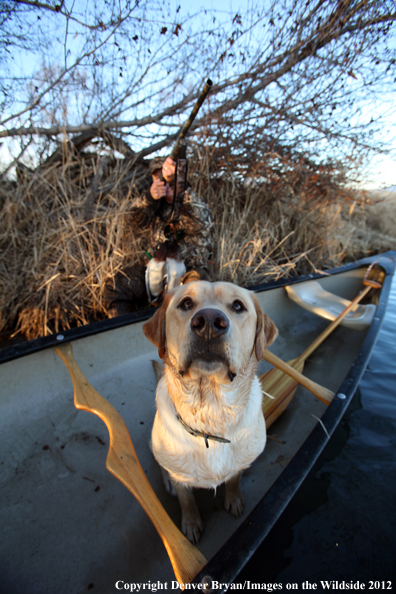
(341, 524)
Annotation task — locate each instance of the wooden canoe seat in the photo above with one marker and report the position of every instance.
(311, 296)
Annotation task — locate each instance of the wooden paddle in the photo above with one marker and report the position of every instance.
(282, 387)
(317, 390)
(123, 463)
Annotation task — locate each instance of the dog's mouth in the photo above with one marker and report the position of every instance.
(208, 357)
(207, 363)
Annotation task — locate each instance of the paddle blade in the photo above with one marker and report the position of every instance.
(280, 408)
(280, 388)
(123, 463)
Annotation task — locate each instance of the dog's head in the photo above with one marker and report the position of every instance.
(210, 329)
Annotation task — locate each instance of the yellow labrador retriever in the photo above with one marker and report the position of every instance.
(209, 424)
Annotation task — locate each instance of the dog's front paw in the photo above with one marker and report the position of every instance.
(234, 505)
(234, 501)
(192, 527)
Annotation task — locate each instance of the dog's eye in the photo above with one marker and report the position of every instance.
(186, 304)
(238, 306)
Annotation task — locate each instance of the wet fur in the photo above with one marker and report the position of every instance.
(212, 385)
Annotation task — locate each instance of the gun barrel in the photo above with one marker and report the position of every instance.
(187, 124)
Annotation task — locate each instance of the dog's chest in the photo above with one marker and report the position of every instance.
(186, 456)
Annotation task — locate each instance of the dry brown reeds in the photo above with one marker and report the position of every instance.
(279, 219)
(54, 258)
(369, 223)
(66, 227)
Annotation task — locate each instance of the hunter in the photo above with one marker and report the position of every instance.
(181, 249)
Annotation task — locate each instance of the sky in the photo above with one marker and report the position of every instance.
(382, 173)
(382, 170)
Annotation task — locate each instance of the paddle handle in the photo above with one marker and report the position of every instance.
(322, 337)
(317, 390)
(123, 463)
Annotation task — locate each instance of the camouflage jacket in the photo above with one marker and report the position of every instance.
(192, 231)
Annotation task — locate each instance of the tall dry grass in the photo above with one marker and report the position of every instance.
(276, 221)
(369, 223)
(66, 228)
(53, 260)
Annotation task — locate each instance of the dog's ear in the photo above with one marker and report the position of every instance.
(154, 328)
(266, 331)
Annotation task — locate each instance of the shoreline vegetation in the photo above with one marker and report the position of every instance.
(66, 227)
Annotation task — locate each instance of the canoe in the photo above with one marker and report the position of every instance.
(69, 526)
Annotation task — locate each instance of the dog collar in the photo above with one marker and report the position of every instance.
(196, 433)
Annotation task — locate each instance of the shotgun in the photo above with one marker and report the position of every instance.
(187, 125)
(178, 154)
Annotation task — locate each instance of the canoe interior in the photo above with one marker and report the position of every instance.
(67, 524)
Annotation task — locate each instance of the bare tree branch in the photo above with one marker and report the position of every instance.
(324, 56)
(58, 9)
(61, 76)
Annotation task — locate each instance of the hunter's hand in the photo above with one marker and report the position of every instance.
(159, 189)
(168, 170)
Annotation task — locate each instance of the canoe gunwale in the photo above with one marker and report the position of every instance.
(387, 260)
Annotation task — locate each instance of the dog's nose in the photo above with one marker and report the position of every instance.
(209, 323)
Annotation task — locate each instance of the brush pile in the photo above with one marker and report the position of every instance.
(66, 227)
